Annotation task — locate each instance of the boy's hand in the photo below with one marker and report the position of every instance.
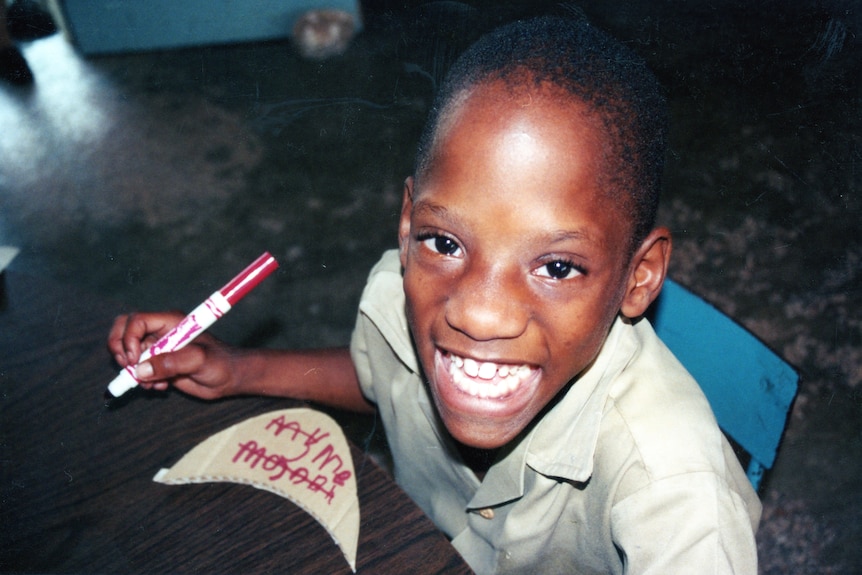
(203, 368)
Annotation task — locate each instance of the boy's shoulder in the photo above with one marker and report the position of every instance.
(635, 401)
(653, 385)
(383, 299)
(381, 311)
(656, 410)
(383, 287)
(389, 262)
(660, 444)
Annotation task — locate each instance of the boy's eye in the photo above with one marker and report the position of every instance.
(441, 244)
(559, 270)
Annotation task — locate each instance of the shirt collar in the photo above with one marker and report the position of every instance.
(573, 423)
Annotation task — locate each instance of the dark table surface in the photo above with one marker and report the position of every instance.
(77, 494)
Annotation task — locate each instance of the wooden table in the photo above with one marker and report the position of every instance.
(77, 494)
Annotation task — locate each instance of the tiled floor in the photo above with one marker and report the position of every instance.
(152, 178)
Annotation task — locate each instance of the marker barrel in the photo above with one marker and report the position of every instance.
(202, 317)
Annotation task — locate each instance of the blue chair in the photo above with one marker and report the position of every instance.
(748, 386)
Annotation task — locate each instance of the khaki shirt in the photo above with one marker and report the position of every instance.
(627, 473)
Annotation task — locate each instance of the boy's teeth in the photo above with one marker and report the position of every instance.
(471, 367)
(487, 370)
(486, 379)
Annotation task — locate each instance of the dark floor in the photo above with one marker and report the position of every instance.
(153, 178)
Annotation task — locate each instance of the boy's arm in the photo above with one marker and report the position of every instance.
(325, 376)
(210, 369)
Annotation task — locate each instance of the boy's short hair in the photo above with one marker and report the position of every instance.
(591, 67)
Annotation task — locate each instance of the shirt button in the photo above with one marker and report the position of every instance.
(487, 513)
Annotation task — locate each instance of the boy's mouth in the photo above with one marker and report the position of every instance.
(487, 379)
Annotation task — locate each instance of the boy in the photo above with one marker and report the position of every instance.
(530, 411)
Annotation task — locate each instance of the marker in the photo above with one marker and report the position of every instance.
(198, 320)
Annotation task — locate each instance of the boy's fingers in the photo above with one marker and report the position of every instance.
(144, 371)
(115, 339)
(168, 366)
(138, 327)
(131, 332)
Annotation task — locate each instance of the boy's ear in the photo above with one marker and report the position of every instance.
(404, 222)
(648, 270)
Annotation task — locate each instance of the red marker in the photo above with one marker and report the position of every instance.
(198, 320)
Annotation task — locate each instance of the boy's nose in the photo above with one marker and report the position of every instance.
(487, 305)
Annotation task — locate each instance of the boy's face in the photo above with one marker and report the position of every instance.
(515, 262)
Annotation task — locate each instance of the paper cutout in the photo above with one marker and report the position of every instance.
(300, 454)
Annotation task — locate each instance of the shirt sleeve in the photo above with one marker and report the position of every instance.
(687, 523)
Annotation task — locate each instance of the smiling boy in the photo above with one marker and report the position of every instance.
(531, 412)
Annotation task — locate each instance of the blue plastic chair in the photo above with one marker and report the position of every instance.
(749, 387)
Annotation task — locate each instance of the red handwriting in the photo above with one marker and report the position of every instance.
(306, 459)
